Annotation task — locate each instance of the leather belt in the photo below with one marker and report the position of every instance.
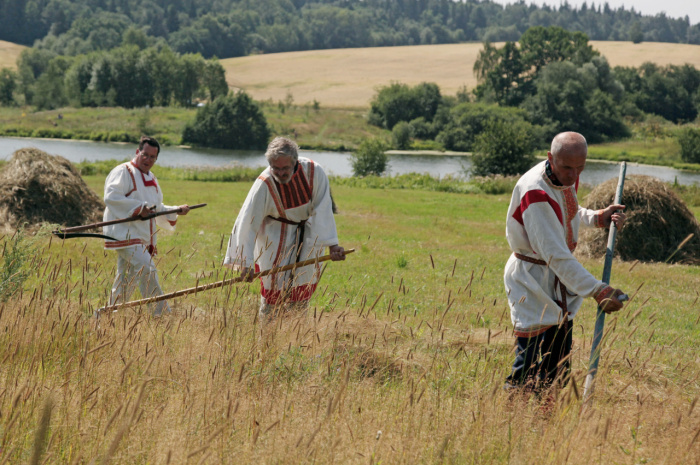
(525, 258)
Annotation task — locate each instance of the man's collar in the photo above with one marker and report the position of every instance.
(137, 167)
(550, 174)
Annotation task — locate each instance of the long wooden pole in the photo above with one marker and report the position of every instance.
(600, 315)
(206, 287)
(73, 229)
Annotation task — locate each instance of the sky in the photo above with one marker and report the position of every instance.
(672, 8)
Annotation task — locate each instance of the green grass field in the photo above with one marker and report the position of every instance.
(400, 359)
(325, 128)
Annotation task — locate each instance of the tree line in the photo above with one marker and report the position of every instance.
(229, 28)
(126, 76)
(551, 80)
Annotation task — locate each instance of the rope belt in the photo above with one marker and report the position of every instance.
(298, 244)
(286, 221)
(300, 233)
(562, 287)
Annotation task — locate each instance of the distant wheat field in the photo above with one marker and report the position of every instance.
(350, 77)
(9, 53)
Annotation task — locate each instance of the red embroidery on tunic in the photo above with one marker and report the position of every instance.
(599, 222)
(280, 246)
(148, 183)
(151, 224)
(133, 181)
(275, 197)
(531, 333)
(296, 192)
(535, 196)
(571, 211)
(119, 244)
(297, 294)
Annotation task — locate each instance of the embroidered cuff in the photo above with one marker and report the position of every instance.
(605, 293)
(138, 211)
(599, 222)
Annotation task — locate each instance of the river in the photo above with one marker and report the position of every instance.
(337, 163)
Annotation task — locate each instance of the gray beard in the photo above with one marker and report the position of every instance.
(279, 180)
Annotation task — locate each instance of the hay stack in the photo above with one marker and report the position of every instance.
(36, 187)
(657, 223)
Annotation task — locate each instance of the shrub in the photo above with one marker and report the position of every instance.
(468, 120)
(689, 140)
(120, 136)
(399, 102)
(421, 129)
(503, 148)
(234, 121)
(369, 158)
(8, 84)
(401, 135)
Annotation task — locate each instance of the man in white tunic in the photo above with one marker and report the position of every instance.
(286, 217)
(131, 190)
(544, 282)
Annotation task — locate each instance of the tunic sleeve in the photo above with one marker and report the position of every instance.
(168, 221)
(241, 245)
(117, 186)
(591, 218)
(323, 231)
(547, 239)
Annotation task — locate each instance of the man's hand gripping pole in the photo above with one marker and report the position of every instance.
(206, 287)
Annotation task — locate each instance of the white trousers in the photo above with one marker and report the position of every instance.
(135, 266)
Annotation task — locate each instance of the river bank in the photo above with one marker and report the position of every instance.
(322, 129)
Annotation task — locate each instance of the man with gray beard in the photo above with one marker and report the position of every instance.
(286, 217)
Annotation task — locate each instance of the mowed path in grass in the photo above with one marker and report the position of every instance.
(350, 77)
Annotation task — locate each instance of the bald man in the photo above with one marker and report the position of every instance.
(544, 282)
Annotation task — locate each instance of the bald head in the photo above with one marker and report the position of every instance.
(567, 156)
(567, 143)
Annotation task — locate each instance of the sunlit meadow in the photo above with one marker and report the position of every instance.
(401, 357)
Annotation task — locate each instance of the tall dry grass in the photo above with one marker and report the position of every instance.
(410, 337)
(364, 378)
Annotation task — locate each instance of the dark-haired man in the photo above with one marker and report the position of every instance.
(131, 190)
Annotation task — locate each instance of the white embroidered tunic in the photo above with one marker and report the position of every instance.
(542, 224)
(127, 192)
(264, 234)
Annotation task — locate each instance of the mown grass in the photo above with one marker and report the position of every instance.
(108, 124)
(659, 151)
(323, 128)
(400, 359)
(235, 173)
(453, 184)
(337, 129)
